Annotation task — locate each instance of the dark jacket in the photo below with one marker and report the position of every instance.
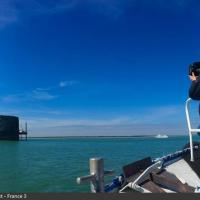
(194, 91)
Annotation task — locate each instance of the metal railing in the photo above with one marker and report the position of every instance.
(96, 177)
(190, 129)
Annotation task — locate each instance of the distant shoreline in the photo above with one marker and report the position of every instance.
(120, 136)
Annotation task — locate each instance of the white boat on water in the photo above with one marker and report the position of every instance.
(161, 136)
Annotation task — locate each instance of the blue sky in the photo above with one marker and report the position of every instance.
(97, 67)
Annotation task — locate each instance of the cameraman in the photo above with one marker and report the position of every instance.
(194, 75)
(194, 91)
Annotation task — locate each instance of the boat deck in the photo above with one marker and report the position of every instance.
(196, 164)
(179, 176)
(160, 182)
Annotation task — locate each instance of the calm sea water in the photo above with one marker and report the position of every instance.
(52, 165)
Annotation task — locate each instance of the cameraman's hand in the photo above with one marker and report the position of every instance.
(193, 77)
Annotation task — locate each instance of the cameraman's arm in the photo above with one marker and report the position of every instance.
(194, 91)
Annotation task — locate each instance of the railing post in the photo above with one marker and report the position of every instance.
(96, 177)
(97, 169)
(189, 129)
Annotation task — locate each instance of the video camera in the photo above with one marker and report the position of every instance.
(195, 68)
